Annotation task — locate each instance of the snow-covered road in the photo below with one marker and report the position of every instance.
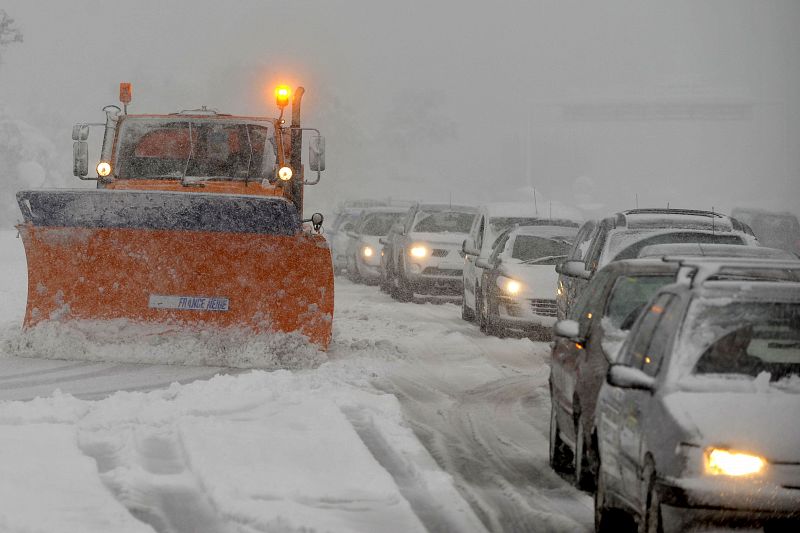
(413, 421)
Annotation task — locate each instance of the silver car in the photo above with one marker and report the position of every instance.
(697, 424)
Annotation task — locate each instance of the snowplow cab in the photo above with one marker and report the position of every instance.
(196, 222)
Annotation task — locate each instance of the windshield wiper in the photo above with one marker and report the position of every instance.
(540, 259)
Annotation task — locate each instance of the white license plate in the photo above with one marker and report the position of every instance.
(189, 303)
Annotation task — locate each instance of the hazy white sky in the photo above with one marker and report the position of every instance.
(473, 99)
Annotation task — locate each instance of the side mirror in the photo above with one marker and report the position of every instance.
(575, 269)
(626, 377)
(316, 153)
(469, 250)
(569, 329)
(483, 263)
(352, 234)
(80, 158)
(80, 132)
(383, 241)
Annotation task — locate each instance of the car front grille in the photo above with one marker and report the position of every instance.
(439, 252)
(433, 271)
(543, 307)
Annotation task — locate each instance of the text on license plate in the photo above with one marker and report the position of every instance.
(189, 303)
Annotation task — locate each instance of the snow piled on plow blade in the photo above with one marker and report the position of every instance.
(123, 341)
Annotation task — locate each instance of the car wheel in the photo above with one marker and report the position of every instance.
(480, 317)
(559, 452)
(582, 459)
(650, 521)
(466, 313)
(607, 519)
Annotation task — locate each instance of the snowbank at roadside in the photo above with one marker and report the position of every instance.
(275, 451)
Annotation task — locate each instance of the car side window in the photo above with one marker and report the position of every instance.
(479, 236)
(584, 309)
(582, 241)
(592, 258)
(649, 344)
(412, 213)
(498, 247)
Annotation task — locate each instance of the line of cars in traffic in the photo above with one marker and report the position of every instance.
(675, 366)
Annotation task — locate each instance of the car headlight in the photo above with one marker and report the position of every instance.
(509, 286)
(419, 251)
(367, 251)
(722, 462)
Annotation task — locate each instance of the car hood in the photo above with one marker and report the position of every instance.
(763, 423)
(540, 280)
(438, 238)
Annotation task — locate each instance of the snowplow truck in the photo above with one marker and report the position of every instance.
(196, 222)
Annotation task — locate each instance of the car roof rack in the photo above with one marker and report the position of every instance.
(695, 271)
(672, 211)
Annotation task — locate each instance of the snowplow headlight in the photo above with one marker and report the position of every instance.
(285, 173)
(367, 251)
(103, 169)
(282, 96)
(733, 463)
(418, 251)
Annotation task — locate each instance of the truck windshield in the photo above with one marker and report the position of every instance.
(196, 147)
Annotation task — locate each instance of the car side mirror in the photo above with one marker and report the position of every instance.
(483, 263)
(468, 249)
(569, 329)
(575, 269)
(352, 234)
(626, 377)
(383, 240)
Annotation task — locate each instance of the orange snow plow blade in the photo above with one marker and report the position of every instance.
(184, 260)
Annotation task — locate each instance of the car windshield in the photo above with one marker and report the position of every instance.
(196, 147)
(443, 222)
(379, 224)
(747, 338)
(630, 251)
(530, 248)
(498, 224)
(629, 296)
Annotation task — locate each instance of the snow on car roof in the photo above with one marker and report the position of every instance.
(644, 220)
(529, 210)
(448, 207)
(713, 250)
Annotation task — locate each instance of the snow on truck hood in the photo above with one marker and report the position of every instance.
(759, 422)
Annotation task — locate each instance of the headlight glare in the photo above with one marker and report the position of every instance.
(103, 169)
(733, 463)
(418, 251)
(509, 286)
(367, 251)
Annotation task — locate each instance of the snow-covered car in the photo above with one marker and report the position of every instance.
(364, 247)
(697, 420)
(344, 222)
(778, 230)
(492, 220)
(624, 234)
(713, 250)
(585, 344)
(518, 289)
(425, 255)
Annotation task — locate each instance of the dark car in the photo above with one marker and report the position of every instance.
(585, 345)
(697, 422)
(623, 235)
(518, 287)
